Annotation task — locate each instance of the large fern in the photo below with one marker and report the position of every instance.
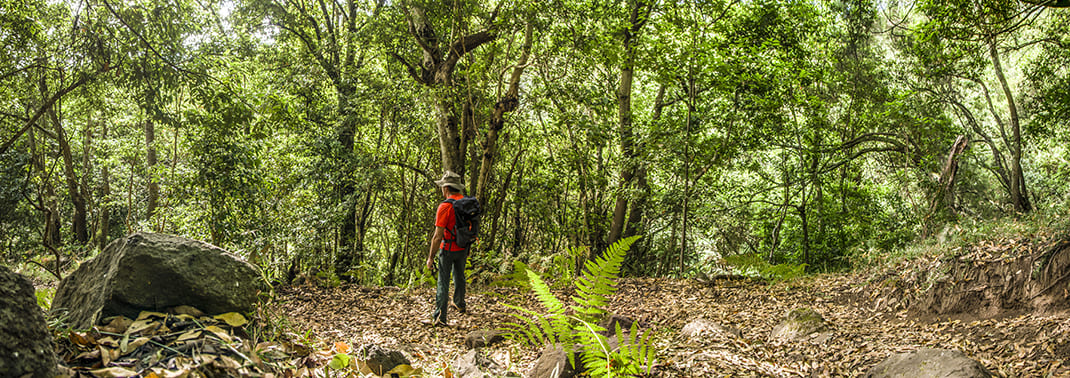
(580, 328)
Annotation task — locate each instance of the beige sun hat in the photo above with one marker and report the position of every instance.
(452, 180)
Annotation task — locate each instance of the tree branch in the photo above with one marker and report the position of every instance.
(48, 104)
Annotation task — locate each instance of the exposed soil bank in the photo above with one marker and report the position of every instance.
(987, 282)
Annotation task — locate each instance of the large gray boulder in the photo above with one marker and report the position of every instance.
(929, 363)
(25, 344)
(152, 272)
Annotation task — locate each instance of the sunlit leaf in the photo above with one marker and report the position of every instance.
(232, 319)
(340, 361)
(341, 347)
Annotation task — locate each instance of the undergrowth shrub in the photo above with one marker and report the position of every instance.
(754, 264)
(576, 326)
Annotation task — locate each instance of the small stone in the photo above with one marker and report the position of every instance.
(483, 337)
(380, 359)
(475, 365)
(553, 363)
(707, 328)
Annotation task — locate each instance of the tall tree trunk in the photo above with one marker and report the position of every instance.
(436, 71)
(639, 14)
(150, 165)
(46, 197)
(1018, 191)
(78, 222)
(347, 233)
(505, 104)
(87, 172)
(105, 192)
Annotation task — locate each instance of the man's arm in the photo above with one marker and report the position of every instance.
(436, 242)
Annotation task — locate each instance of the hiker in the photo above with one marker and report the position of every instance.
(452, 253)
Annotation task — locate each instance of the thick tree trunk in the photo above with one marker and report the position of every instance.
(449, 136)
(435, 70)
(347, 189)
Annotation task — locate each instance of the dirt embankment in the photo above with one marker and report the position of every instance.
(988, 281)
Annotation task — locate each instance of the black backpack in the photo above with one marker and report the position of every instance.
(466, 212)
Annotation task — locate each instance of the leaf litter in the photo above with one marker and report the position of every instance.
(325, 324)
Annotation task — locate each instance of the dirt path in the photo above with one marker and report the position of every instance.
(1025, 346)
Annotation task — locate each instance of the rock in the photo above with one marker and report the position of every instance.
(553, 363)
(610, 324)
(801, 323)
(483, 337)
(701, 328)
(25, 343)
(381, 360)
(929, 363)
(151, 272)
(475, 365)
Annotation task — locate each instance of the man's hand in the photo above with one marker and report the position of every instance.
(430, 264)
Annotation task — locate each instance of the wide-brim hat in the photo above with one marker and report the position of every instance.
(452, 180)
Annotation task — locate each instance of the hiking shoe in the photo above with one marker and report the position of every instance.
(434, 323)
(458, 308)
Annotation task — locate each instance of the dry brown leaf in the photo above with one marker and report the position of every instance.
(82, 339)
(232, 319)
(218, 332)
(190, 335)
(119, 324)
(113, 372)
(150, 314)
(142, 324)
(188, 310)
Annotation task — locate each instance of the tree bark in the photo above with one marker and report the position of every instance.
(46, 197)
(1018, 191)
(639, 14)
(104, 219)
(150, 165)
(78, 221)
(505, 104)
(436, 71)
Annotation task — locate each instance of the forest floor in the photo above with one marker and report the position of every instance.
(1030, 345)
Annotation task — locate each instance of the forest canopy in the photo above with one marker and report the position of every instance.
(306, 135)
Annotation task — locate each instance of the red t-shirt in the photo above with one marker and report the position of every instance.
(445, 218)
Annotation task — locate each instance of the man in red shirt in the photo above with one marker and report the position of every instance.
(451, 257)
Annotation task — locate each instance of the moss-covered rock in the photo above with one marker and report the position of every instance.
(153, 272)
(800, 323)
(25, 344)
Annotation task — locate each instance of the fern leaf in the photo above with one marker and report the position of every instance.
(542, 292)
(598, 281)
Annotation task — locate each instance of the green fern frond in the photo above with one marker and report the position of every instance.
(542, 292)
(598, 281)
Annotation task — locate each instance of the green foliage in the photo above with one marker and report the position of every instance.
(755, 264)
(44, 297)
(577, 324)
